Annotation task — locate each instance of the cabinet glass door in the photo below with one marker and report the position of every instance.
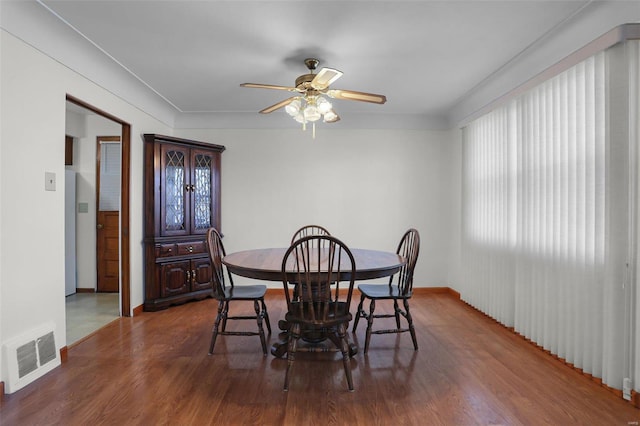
(174, 191)
(202, 183)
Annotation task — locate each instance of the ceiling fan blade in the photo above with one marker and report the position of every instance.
(268, 86)
(351, 95)
(279, 105)
(324, 78)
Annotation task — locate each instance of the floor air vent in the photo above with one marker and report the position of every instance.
(30, 356)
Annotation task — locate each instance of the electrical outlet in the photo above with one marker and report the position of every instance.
(49, 181)
(626, 388)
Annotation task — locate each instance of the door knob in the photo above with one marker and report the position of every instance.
(100, 226)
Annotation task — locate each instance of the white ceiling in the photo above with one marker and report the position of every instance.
(425, 56)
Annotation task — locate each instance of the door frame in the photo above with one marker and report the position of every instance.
(125, 174)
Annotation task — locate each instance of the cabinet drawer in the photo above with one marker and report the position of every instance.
(165, 250)
(191, 248)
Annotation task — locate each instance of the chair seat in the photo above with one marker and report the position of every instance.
(245, 292)
(382, 291)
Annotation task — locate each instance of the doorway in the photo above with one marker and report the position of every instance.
(117, 262)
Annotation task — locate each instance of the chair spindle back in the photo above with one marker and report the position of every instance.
(408, 248)
(216, 253)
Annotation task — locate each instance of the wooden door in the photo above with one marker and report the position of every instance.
(108, 266)
(108, 170)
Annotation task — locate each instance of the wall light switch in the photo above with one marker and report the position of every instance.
(83, 207)
(49, 181)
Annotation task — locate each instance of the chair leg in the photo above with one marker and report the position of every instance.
(372, 307)
(259, 316)
(216, 325)
(412, 329)
(397, 313)
(294, 335)
(266, 315)
(358, 314)
(224, 318)
(344, 348)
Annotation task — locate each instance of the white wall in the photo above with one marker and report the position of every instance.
(32, 114)
(365, 186)
(84, 163)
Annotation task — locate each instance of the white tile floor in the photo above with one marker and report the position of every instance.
(87, 312)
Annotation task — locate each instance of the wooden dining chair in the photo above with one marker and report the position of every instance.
(400, 287)
(225, 292)
(323, 281)
(305, 231)
(308, 230)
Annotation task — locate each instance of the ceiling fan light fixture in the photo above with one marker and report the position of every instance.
(309, 103)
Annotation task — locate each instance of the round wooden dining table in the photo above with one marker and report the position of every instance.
(266, 264)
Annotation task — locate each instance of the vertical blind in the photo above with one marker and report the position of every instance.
(561, 208)
(545, 218)
(489, 184)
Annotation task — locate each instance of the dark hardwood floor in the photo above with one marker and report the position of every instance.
(154, 369)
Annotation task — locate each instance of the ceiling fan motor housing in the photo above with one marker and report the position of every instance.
(304, 81)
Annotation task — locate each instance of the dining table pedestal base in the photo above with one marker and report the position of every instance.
(314, 341)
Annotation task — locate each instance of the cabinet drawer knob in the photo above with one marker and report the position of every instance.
(190, 249)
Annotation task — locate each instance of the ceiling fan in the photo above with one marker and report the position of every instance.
(310, 105)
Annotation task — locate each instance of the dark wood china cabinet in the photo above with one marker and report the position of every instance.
(181, 201)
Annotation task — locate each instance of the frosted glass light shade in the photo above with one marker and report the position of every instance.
(330, 116)
(311, 113)
(293, 108)
(323, 105)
